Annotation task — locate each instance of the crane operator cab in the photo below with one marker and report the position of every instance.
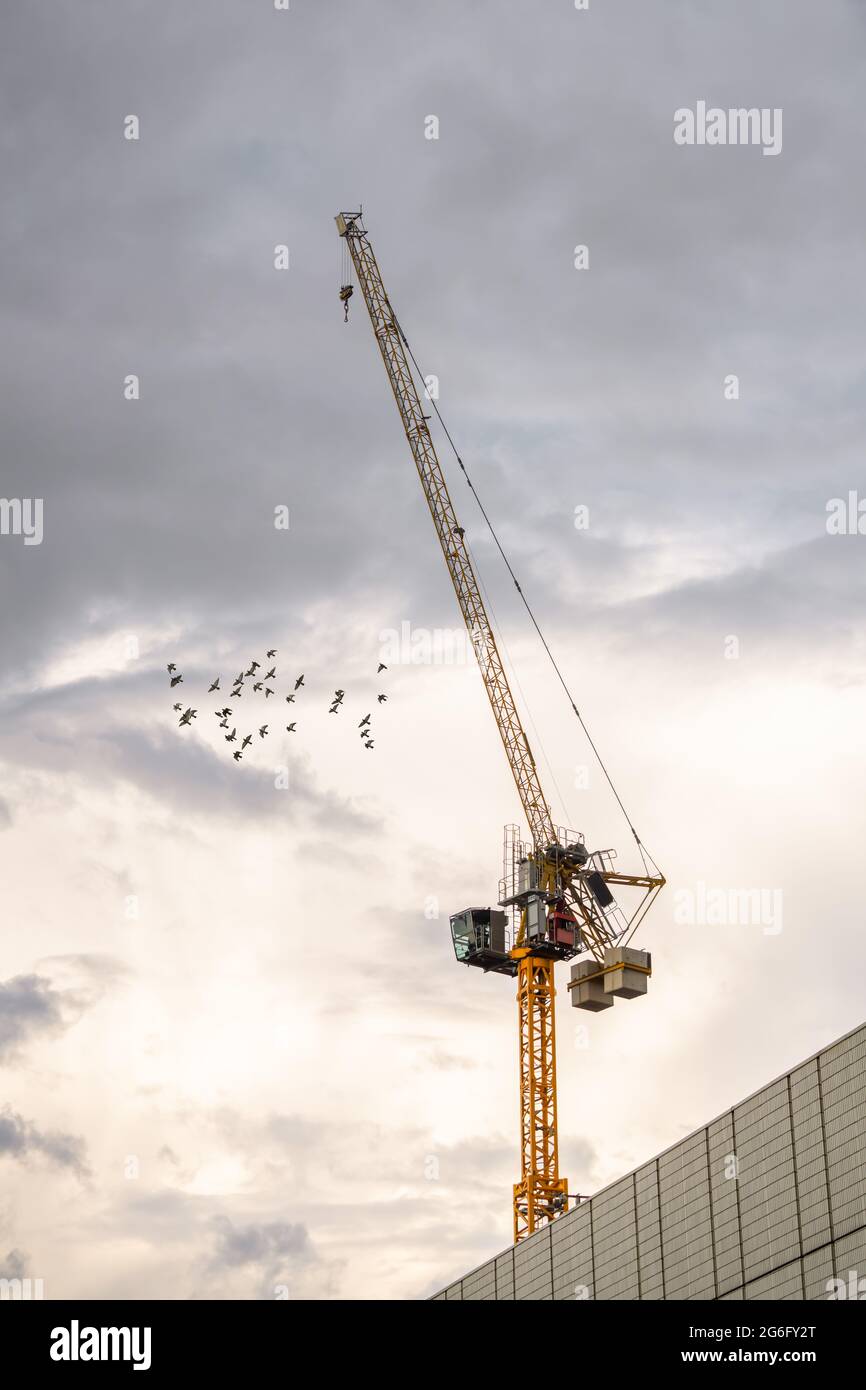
(480, 938)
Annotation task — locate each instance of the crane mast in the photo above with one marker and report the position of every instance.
(556, 890)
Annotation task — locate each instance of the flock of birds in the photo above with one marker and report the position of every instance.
(257, 685)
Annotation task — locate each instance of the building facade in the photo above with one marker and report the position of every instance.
(766, 1202)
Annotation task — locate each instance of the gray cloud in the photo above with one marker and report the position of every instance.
(14, 1266)
(802, 606)
(183, 773)
(259, 1243)
(20, 1138)
(28, 1005)
(241, 410)
(216, 1246)
(33, 1005)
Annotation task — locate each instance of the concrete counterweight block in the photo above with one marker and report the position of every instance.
(623, 981)
(589, 994)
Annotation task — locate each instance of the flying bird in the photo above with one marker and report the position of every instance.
(290, 728)
(271, 675)
(239, 680)
(335, 709)
(369, 745)
(382, 667)
(248, 740)
(381, 699)
(339, 693)
(258, 685)
(263, 730)
(223, 713)
(268, 691)
(187, 715)
(177, 706)
(290, 699)
(300, 681)
(171, 668)
(271, 653)
(176, 680)
(238, 755)
(364, 721)
(231, 738)
(224, 723)
(215, 686)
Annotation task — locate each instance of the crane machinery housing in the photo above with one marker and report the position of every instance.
(555, 901)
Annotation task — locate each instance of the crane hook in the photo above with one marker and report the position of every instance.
(346, 292)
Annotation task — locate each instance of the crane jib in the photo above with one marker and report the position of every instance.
(451, 539)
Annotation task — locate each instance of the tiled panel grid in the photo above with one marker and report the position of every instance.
(766, 1202)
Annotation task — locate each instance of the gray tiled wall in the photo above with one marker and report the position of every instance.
(766, 1202)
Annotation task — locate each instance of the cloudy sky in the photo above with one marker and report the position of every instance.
(237, 1054)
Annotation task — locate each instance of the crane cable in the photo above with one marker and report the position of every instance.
(644, 852)
(503, 645)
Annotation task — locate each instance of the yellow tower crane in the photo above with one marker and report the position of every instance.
(555, 893)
